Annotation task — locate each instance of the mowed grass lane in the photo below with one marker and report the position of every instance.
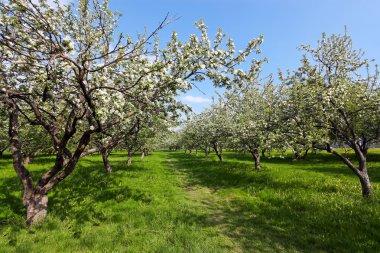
(175, 202)
(137, 208)
(313, 205)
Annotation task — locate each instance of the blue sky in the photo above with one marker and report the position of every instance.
(285, 25)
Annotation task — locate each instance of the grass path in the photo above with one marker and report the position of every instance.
(137, 208)
(172, 202)
(207, 200)
(290, 206)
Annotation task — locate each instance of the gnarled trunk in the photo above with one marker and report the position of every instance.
(35, 203)
(35, 198)
(361, 172)
(36, 208)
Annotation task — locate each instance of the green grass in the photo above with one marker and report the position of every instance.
(175, 202)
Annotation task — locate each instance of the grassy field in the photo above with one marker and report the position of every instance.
(175, 202)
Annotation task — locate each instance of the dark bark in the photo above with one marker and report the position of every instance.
(256, 157)
(68, 164)
(36, 208)
(300, 156)
(365, 184)
(218, 152)
(22, 173)
(361, 171)
(90, 151)
(34, 200)
(105, 154)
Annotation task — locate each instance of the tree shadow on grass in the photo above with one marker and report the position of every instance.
(321, 163)
(11, 207)
(332, 165)
(296, 214)
(75, 198)
(230, 174)
(78, 197)
(278, 225)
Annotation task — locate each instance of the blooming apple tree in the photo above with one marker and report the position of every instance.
(343, 99)
(297, 116)
(196, 134)
(256, 118)
(66, 70)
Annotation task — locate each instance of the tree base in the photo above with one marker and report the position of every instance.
(36, 209)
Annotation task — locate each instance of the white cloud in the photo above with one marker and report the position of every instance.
(198, 100)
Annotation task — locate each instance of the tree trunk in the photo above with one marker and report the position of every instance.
(206, 153)
(366, 185)
(27, 158)
(107, 166)
(22, 173)
(129, 157)
(35, 198)
(196, 152)
(299, 156)
(220, 156)
(36, 208)
(263, 152)
(142, 154)
(361, 172)
(256, 158)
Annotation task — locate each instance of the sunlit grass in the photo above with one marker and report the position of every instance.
(175, 202)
